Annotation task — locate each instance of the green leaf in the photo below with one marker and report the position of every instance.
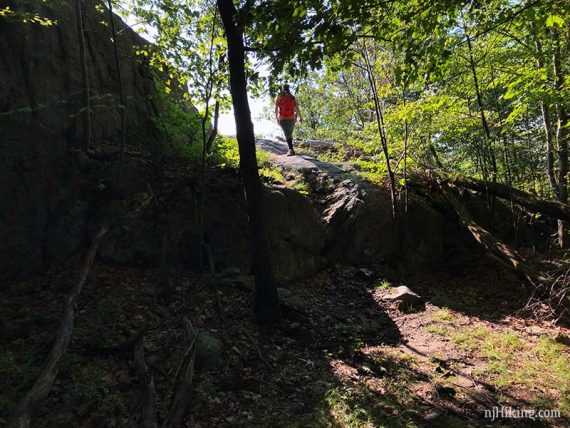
(554, 20)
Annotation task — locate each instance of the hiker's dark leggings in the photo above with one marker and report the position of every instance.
(287, 125)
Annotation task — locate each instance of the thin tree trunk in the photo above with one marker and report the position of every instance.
(267, 308)
(123, 106)
(205, 250)
(381, 127)
(435, 156)
(86, 140)
(406, 137)
(214, 132)
(561, 136)
(546, 121)
(487, 131)
(547, 124)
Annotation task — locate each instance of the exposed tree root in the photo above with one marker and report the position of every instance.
(184, 378)
(148, 393)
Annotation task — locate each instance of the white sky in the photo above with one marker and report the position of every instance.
(262, 127)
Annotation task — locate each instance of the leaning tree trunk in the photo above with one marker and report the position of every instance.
(267, 308)
(381, 128)
(533, 203)
(494, 247)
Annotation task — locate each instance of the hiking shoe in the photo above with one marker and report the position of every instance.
(291, 153)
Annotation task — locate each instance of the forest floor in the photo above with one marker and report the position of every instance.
(344, 357)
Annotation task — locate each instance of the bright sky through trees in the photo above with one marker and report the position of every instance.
(260, 105)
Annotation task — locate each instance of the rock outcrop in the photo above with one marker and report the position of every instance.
(357, 215)
(40, 123)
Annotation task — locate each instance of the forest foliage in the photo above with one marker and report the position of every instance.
(475, 88)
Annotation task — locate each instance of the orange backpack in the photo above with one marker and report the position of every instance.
(287, 105)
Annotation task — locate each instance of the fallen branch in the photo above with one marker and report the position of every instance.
(261, 355)
(549, 300)
(183, 379)
(497, 249)
(22, 414)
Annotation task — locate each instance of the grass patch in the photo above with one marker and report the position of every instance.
(437, 329)
(512, 360)
(345, 408)
(271, 173)
(360, 405)
(301, 187)
(468, 339)
(443, 314)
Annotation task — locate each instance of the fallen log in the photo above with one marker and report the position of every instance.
(497, 249)
(531, 202)
(22, 414)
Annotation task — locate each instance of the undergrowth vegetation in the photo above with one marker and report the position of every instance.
(509, 360)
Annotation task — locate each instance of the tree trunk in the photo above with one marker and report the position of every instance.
(381, 128)
(546, 121)
(495, 248)
(123, 106)
(267, 308)
(561, 136)
(487, 131)
(86, 140)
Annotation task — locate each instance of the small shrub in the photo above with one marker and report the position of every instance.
(383, 285)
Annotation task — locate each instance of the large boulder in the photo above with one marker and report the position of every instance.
(295, 232)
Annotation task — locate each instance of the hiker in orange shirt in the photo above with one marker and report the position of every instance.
(286, 113)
